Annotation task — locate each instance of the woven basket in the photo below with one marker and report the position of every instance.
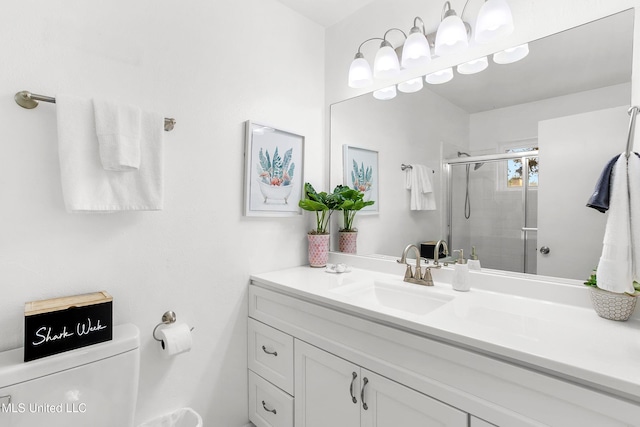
(612, 306)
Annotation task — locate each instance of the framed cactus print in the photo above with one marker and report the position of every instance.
(361, 173)
(273, 181)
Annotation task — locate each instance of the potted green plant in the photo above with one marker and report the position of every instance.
(350, 202)
(323, 204)
(611, 305)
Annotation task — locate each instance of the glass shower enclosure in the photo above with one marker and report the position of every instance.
(493, 207)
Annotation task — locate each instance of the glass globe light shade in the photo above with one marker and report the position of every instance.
(494, 21)
(416, 51)
(411, 86)
(511, 55)
(385, 93)
(439, 77)
(386, 64)
(474, 66)
(451, 36)
(360, 72)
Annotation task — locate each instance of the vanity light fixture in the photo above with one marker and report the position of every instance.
(360, 74)
(411, 86)
(386, 93)
(511, 55)
(439, 77)
(474, 66)
(386, 64)
(452, 34)
(494, 21)
(416, 50)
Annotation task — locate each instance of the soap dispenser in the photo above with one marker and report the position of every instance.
(474, 262)
(460, 280)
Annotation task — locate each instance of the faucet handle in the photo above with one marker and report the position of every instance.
(427, 278)
(408, 273)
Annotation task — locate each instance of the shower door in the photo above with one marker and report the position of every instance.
(493, 207)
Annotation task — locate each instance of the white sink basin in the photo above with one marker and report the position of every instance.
(403, 296)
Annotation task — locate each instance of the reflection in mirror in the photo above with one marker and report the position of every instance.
(568, 98)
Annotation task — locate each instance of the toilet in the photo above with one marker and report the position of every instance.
(94, 386)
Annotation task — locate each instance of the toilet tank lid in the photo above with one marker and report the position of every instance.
(14, 370)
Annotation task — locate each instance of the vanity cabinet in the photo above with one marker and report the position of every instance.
(331, 391)
(325, 351)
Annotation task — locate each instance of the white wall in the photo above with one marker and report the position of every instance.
(492, 129)
(211, 65)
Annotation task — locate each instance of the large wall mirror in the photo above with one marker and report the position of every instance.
(568, 99)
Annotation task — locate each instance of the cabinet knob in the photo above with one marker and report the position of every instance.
(545, 250)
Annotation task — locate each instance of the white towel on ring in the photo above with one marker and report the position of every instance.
(615, 272)
(633, 167)
(418, 181)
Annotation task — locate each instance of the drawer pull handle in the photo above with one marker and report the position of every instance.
(273, 353)
(268, 410)
(353, 380)
(365, 380)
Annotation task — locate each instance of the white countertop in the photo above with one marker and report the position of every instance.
(566, 340)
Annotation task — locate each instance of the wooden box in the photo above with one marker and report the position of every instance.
(61, 324)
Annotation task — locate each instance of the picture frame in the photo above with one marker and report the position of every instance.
(360, 169)
(273, 171)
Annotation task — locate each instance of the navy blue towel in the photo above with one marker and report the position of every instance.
(600, 198)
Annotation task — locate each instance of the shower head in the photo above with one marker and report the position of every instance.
(462, 153)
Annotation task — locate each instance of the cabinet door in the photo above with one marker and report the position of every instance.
(325, 389)
(389, 404)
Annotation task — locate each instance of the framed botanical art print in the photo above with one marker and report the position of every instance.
(273, 181)
(361, 173)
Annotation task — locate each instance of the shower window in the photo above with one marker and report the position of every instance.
(514, 168)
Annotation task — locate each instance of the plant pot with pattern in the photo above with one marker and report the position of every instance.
(323, 204)
(350, 202)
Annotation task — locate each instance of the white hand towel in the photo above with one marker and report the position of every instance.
(118, 131)
(86, 186)
(615, 266)
(634, 200)
(418, 180)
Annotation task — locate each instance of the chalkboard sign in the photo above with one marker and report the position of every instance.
(58, 325)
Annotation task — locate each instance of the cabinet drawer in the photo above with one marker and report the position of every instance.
(271, 355)
(268, 405)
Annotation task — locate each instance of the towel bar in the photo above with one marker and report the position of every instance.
(405, 167)
(29, 100)
(633, 111)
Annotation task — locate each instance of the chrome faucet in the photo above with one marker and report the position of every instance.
(436, 251)
(415, 276)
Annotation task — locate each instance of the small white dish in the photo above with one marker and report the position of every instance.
(337, 268)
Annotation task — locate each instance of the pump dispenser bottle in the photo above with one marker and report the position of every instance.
(474, 262)
(460, 280)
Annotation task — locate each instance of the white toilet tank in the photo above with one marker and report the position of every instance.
(94, 386)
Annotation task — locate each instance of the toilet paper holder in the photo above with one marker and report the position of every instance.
(168, 318)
